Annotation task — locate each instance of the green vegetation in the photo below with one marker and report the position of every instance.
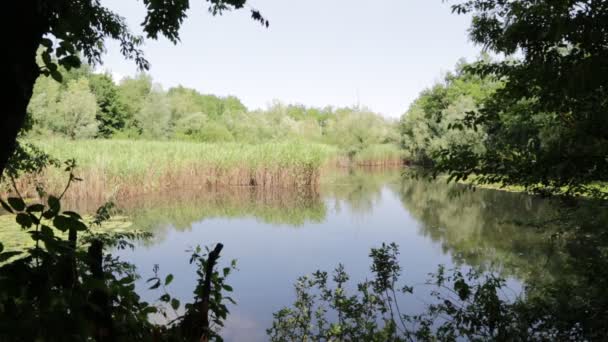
(68, 31)
(134, 136)
(120, 167)
(88, 105)
(535, 119)
(433, 122)
(545, 124)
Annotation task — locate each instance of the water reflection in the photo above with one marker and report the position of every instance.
(277, 236)
(485, 228)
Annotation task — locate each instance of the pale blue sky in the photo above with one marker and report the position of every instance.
(316, 52)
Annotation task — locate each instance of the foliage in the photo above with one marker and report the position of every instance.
(547, 123)
(69, 288)
(369, 315)
(77, 109)
(467, 304)
(137, 108)
(430, 124)
(111, 116)
(83, 27)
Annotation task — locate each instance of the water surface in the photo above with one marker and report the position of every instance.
(278, 236)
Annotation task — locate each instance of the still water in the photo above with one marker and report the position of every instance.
(277, 237)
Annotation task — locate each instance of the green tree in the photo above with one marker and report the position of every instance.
(548, 122)
(154, 116)
(353, 130)
(76, 111)
(426, 128)
(132, 92)
(43, 106)
(68, 29)
(112, 115)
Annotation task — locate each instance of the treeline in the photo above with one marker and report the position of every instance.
(91, 105)
(434, 121)
(472, 124)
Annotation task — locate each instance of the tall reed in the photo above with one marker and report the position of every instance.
(124, 167)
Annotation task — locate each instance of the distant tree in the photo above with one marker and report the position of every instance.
(68, 29)
(183, 102)
(353, 129)
(154, 116)
(112, 115)
(76, 111)
(42, 108)
(132, 92)
(232, 104)
(190, 126)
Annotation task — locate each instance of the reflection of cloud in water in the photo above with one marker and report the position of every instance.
(239, 327)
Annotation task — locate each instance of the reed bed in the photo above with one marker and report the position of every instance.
(123, 168)
(381, 155)
(112, 168)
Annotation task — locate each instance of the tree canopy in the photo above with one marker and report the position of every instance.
(547, 123)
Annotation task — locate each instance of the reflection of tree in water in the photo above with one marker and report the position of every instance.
(180, 210)
(359, 188)
(560, 252)
(481, 227)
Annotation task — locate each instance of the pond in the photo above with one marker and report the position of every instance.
(278, 236)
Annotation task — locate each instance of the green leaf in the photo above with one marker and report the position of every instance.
(71, 61)
(56, 75)
(34, 208)
(174, 304)
(227, 288)
(6, 206)
(168, 279)
(24, 220)
(65, 223)
(165, 298)
(54, 203)
(17, 203)
(46, 230)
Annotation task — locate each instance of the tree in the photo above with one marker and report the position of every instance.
(132, 92)
(154, 116)
(547, 125)
(112, 116)
(426, 126)
(43, 106)
(67, 28)
(76, 111)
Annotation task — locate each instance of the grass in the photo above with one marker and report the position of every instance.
(124, 167)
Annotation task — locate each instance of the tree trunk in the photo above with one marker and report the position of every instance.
(19, 70)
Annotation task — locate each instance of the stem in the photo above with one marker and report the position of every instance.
(211, 261)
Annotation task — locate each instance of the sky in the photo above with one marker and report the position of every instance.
(378, 53)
